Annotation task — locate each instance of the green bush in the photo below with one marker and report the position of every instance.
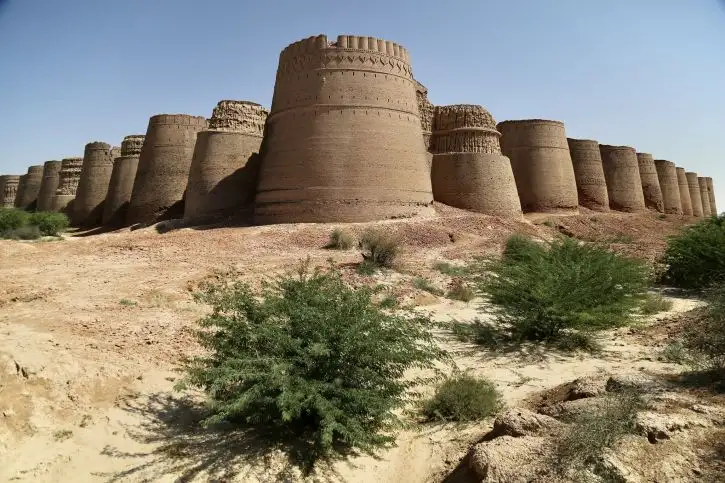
(12, 219)
(695, 258)
(463, 398)
(22, 233)
(424, 284)
(654, 304)
(704, 338)
(542, 292)
(340, 240)
(309, 359)
(49, 223)
(379, 247)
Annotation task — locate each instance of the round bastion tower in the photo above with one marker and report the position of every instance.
(343, 140)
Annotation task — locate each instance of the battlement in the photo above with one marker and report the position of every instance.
(37, 169)
(239, 116)
(345, 43)
(178, 119)
(609, 147)
(131, 145)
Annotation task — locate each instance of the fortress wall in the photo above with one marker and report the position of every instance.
(704, 197)
(624, 185)
(225, 164)
(693, 187)
(667, 176)
(684, 188)
(120, 185)
(8, 190)
(48, 185)
(425, 110)
(650, 183)
(589, 174)
(68, 178)
(343, 139)
(468, 169)
(93, 184)
(541, 164)
(163, 168)
(711, 195)
(19, 191)
(28, 197)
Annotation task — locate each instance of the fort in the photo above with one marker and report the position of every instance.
(225, 164)
(68, 178)
(684, 188)
(120, 184)
(667, 176)
(589, 174)
(343, 140)
(541, 164)
(19, 190)
(650, 183)
(48, 185)
(28, 198)
(163, 168)
(8, 190)
(624, 185)
(93, 184)
(468, 168)
(425, 111)
(704, 197)
(693, 186)
(711, 195)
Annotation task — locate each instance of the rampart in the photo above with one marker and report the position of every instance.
(48, 185)
(120, 186)
(343, 139)
(693, 187)
(684, 188)
(704, 197)
(624, 185)
(541, 164)
(20, 190)
(468, 169)
(93, 184)
(711, 195)
(667, 176)
(426, 111)
(225, 165)
(163, 168)
(27, 199)
(589, 174)
(8, 190)
(68, 178)
(650, 183)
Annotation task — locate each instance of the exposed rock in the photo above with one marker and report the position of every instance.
(522, 422)
(509, 459)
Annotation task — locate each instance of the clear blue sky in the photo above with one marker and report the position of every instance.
(645, 73)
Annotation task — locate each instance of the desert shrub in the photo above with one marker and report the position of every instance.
(390, 301)
(424, 284)
(49, 223)
(704, 338)
(22, 233)
(379, 247)
(458, 289)
(591, 432)
(340, 240)
(675, 352)
(539, 292)
(449, 269)
(654, 304)
(695, 258)
(12, 219)
(309, 359)
(463, 397)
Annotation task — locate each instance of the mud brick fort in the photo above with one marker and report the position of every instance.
(351, 136)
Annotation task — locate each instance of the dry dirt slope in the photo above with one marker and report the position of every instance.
(91, 329)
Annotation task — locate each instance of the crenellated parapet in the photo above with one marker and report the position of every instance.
(464, 128)
(239, 116)
(425, 111)
(131, 145)
(69, 176)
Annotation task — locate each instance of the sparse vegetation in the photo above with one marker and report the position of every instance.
(310, 360)
(22, 233)
(463, 398)
(704, 338)
(17, 224)
(340, 240)
(675, 352)
(379, 248)
(695, 259)
(62, 435)
(128, 303)
(541, 293)
(449, 269)
(390, 301)
(424, 284)
(458, 289)
(654, 304)
(592, 432)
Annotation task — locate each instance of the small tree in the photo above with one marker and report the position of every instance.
(695, 258)
(311, 358)
(49, 223)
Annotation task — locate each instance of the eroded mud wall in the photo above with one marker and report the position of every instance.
(93, 185)
(650, 183)
(20, 190)
(343, 140)
(48, 185)
(163, 168)
(711, 195)
(624, 185)
(425, 110)
(468, 169)
(120, 185)
(541, 164)
(693, 186)
(684, 188)
(68, 178)
(225, 165)
(704, 196)
(8, 190)
(589, 174)
(667, 176)
(27, 199)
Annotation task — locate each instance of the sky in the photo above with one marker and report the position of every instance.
(644, 73)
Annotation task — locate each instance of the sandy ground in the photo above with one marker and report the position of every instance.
(92, 327)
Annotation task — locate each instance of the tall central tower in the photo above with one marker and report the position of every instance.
(343, 141)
